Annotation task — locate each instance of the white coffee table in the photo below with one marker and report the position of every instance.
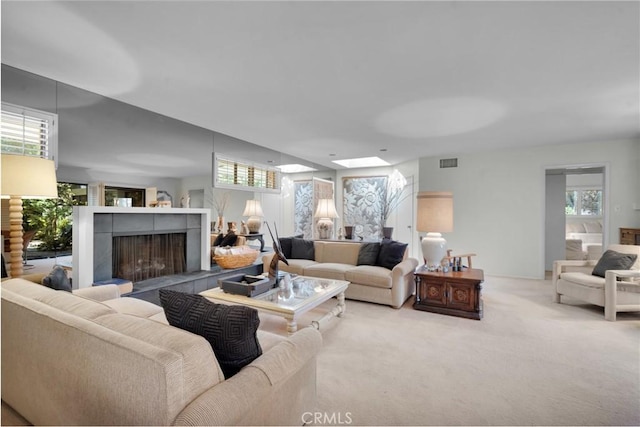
(306, 294)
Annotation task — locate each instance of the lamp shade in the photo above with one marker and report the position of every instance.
(253, 208)
(326, 209)
(435, 211)
(28, 177)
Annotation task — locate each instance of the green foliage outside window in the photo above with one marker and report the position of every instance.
(586, 202)
(51, 218)
(570, 204)
(591, 202)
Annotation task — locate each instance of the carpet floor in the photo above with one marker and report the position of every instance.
(529, 361)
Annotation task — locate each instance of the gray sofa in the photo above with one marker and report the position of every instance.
(93, 358)
(339, 260)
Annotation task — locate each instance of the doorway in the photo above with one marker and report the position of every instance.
(576, 223)
(403, 230)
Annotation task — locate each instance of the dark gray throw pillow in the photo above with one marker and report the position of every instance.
(285, 245)
(57, 280)
(391, 253)
(612, 260)
(302, 249)
(230, 329)
(368, 254)
(229, 240)
(218, 240)
(4, 269)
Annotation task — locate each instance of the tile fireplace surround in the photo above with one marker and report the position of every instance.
(95, 226)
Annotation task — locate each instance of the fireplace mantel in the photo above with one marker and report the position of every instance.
(84, 232)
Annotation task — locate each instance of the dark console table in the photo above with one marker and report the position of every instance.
(456, 293)
(255, 236)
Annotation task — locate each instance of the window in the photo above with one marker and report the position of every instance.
(29, 132)
(584, 202)
(78, 194)
(135, 194)
(243, 175)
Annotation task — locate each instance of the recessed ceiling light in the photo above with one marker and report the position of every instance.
(363, 162)
(295, 168)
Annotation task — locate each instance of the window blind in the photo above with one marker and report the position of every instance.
(28, 132)
(243, 175)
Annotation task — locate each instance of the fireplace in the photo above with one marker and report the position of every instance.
(148, 256)
(138, 244)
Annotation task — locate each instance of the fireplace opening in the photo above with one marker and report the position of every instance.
(143, 257)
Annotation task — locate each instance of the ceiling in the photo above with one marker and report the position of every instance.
(332, 80)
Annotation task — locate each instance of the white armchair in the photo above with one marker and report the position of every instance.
(618, 291)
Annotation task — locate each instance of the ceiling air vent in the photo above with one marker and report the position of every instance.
(448, 163)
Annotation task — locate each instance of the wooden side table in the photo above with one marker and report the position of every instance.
(456, 293)
(630, 236)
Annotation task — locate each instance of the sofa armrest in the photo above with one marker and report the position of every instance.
(622, 275)
(99, 293)
(611, 289)
(402, 284)
(249, 395)
(582, 265)
(407, 266)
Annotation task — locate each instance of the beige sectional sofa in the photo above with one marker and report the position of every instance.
(371, 283)
(93, 358)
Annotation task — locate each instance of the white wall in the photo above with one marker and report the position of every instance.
(591, 180)
(499, 199)
(237, 200)
(84, 176)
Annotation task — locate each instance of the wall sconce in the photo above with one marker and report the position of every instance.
(326, 212)
(253, 210)
(435, 216)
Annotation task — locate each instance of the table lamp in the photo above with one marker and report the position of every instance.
(24, 177)
(435, 216)
(254, 211)
(326, 212)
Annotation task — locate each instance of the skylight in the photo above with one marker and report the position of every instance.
(362, 162)
(295, 168)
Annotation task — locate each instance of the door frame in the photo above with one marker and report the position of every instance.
(606, 169)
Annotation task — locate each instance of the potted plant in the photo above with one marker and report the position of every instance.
(220, 202)
(392, 197)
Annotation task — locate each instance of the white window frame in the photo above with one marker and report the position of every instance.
(221, 178)
(51, 120)
(579, 190)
